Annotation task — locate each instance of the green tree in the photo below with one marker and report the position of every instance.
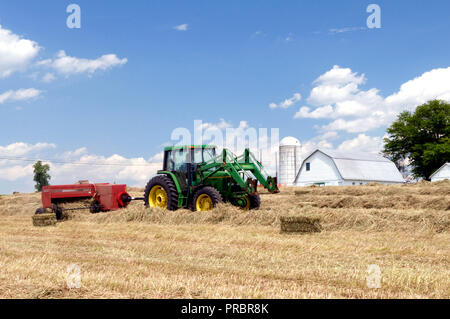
(41, 176)
(423, 137)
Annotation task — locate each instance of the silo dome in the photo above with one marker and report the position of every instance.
(290, 160)
(289, 141)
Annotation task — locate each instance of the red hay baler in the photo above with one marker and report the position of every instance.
(102, 197)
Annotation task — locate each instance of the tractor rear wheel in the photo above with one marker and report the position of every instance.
(206, 198)
(161, 192)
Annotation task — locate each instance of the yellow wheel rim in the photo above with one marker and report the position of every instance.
(158, 197)
(204, 203)
(247, 205)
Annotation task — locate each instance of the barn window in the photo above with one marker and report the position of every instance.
(308, 167)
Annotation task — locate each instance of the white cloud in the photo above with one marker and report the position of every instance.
(221, 125)
(16, 53)
(287, 103)
(313, 144)
(329, 135)
(289, 38)
(319, 112)
(15, 172)
(434, 84)
(345, 29)
(68, 65)
(136, 171)
(181, 27)
(362, 143)
(340, 76)
(74, 154)
(19, 95)
(20, 148)
(338, 96)
(48, 77)
(158, 158)
(114, 168)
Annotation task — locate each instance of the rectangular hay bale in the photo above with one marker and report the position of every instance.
(300, 224)
(42, 220)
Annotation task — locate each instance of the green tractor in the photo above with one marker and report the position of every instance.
(195, 177)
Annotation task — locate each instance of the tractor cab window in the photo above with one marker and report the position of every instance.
(198, 155)
(179, 159)
(175, 159)
(201, 155)
(208, 153)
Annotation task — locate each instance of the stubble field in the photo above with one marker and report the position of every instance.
(228, 253)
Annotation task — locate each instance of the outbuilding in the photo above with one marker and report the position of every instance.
(333, 168)
(442, 173)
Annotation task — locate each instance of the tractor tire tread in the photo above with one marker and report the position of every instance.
(255, 201)
(211, 191)
(169, 187)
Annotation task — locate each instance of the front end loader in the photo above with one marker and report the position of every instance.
(195, 177)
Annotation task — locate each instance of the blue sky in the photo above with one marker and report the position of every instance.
(233, 60)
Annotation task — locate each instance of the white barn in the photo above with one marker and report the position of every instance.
(442, 173)
(332, 168)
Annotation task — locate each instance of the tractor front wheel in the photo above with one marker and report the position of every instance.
(206, 198)
(255, 201)
(251, 202)
(161, 192)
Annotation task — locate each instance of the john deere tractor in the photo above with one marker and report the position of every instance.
(195, 177)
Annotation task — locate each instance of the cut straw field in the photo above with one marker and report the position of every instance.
(228, 253)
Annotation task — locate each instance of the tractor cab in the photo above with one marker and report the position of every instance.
(178, 158)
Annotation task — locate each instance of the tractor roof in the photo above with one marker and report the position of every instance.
(178, 147)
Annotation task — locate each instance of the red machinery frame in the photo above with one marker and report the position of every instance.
(108, 197)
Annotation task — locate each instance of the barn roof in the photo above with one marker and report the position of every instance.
(439, 169)
(362, 166)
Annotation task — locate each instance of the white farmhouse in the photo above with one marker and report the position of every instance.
(442, 173)
(332, 168)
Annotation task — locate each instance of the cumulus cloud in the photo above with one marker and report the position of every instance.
(337, 95)
(15, 172)
(20, 148)
(16, 53)
(320, 112)
(71, 166)
(181, 27)
(362, 143)
(48, 77)
(19, 95)
(221, 125)
(68, 65)
(114, 168)
(287, 102)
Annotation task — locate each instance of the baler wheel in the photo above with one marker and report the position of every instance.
(95, 207)
(39, 211)
(58, 211)
(206, 198)
(161, 192)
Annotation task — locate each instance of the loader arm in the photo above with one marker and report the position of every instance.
(236, 166)
(227, 162)
(250, 163)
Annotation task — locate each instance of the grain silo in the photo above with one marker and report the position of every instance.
(290, 160)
